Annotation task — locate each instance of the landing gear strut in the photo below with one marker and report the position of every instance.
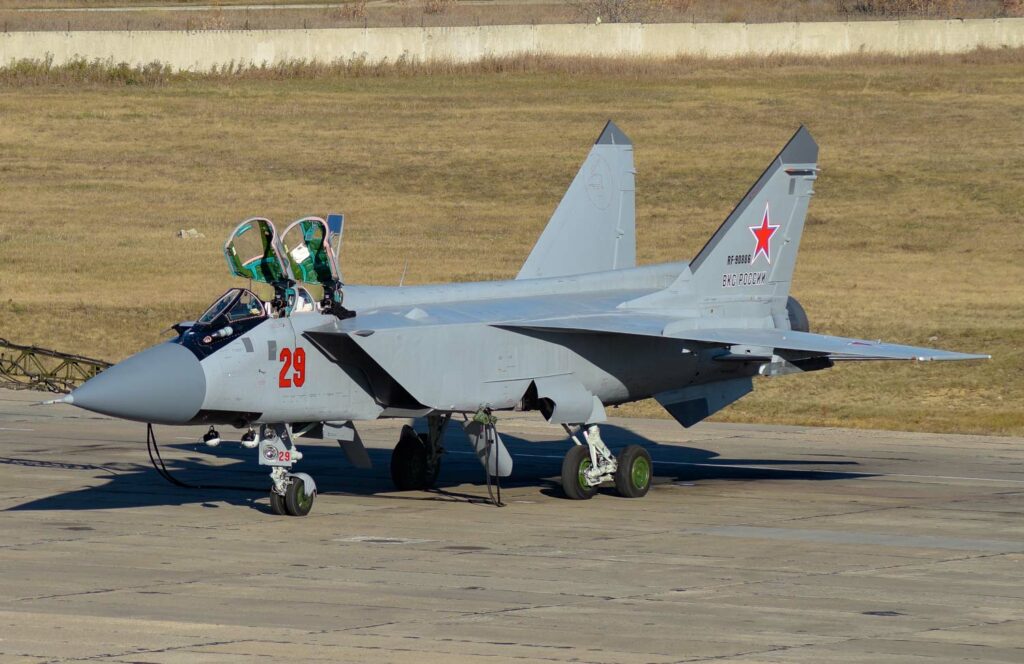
(290, 493)
(589, 463)
(416, 460)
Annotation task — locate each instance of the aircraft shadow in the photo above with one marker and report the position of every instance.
(237, 479)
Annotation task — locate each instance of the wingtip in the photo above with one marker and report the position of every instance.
(973, 356)
(612, 135)
(950, 355)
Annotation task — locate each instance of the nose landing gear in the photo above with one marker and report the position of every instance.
(291, 493)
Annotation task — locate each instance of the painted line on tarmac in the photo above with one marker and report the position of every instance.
(792, 470)
(14, 429)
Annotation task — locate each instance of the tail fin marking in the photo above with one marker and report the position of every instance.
(752, 255)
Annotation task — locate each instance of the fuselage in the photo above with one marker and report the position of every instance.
(441, 348)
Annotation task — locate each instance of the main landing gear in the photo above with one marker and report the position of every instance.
(290, 493)
(589, 463)
(416, 460)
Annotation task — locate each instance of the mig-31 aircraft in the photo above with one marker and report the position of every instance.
(581, 327)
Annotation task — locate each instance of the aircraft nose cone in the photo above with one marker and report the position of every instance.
(164, 384)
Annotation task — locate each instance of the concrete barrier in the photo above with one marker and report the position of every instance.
(205, 49)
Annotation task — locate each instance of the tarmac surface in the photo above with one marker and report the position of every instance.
(757, 544)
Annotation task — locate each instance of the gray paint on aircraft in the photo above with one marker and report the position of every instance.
(580, 328)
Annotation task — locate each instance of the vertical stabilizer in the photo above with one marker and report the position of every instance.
(750, 258)
(594, 227)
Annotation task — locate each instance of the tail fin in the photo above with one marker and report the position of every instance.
(751, 256)
(594, 227)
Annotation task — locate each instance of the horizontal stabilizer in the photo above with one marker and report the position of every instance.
(837, 348)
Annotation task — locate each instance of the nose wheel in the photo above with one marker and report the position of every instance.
(291, 494)
(296, 499)
(277, 504)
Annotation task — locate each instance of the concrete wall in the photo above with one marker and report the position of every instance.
(202, 50)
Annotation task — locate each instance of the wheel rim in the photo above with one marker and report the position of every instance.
(302, 501)
(641, 472)
(582, 475)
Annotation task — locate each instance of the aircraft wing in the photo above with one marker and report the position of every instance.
(836, 348)
(651, 325)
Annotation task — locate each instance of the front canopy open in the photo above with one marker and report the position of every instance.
(253, 252)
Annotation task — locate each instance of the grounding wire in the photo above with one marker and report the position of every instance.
(153, 448)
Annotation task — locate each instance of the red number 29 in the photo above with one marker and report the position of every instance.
(290, 360)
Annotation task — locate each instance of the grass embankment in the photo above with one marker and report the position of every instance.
(915, 234)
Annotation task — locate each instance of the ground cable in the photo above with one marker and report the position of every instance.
(153, 448)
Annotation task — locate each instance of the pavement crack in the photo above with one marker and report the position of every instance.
(763, 651)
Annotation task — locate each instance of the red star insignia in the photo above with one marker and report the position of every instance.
(763, 234)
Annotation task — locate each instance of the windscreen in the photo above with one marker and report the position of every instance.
(246, 306)
(219, 307)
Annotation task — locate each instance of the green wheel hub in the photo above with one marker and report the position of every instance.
(304, 501)
(640, 473)
(584, 467)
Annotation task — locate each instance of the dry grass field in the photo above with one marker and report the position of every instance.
(915, 234)
(17, 15)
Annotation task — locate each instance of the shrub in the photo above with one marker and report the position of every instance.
(1013, 7)
(900, 7)
(437, 6)
(352, 11)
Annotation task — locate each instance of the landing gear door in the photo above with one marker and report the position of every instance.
(311, 257)
(253, 252)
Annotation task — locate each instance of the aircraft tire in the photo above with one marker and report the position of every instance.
(576, 462)
(633, 477)
(410, 469)
(295, 499)
(277, 505)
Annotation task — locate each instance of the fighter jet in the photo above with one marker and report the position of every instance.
(581, 327)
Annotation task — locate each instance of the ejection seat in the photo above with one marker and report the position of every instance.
(306, 252)
(311, 246)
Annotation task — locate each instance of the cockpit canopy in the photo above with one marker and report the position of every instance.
(233, 307)
(253, 252)
(307, 253)
(311, 246)
(233, 314)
